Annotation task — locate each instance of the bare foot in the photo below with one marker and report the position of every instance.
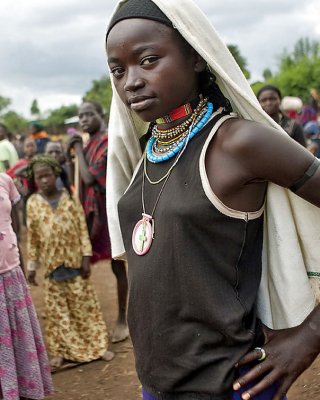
(56, 362)
(107, 355)
(120, 333)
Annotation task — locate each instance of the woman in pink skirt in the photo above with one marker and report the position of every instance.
(24, 368)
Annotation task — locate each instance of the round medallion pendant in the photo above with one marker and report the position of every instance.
(142, 235)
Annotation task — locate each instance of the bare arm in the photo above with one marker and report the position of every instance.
(262, 154)
(16, 228)
(76, 143)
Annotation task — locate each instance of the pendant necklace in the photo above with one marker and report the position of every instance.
(143, 232)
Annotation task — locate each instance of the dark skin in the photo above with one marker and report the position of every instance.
(55, 150)
(45, 180)
(149, 64)
(91, 121)
(270, 102)
(16, 228)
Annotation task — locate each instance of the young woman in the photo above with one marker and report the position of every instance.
(192, 218)
(24, 366)
(92, 167)
(269, 97)
(58, 240)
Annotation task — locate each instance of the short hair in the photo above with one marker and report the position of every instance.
(96, 105)
(269, 87)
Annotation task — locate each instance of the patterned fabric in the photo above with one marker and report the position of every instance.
(56, 236)
(75, 329)
(21, 182)
(93, 197)
(24, 368)
(96, 152)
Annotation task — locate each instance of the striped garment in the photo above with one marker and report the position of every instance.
(93, 197)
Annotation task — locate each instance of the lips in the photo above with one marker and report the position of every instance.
(140, 103)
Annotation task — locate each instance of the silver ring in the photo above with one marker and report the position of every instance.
(263, 353)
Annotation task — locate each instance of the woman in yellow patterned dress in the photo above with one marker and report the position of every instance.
(58, 241)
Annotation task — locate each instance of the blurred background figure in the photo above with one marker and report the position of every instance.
(91, 157)
(315, 100)
(291, 106)
(40, 136)
(55, 149)
(269, 97)
(24, 366)
(18, 171)
(8, 153)
(312, 134)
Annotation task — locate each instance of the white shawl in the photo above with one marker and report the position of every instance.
(292, 226)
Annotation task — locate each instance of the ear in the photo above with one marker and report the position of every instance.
(200, 64)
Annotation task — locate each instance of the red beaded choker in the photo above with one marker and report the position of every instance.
(179, 112)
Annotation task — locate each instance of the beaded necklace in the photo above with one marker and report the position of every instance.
(143, 232)
(173, 150)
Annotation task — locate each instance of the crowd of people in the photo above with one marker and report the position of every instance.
(187, 170)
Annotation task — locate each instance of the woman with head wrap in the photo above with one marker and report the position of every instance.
(192, 218)
(58, 240)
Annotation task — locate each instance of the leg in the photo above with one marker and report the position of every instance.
(121, 330)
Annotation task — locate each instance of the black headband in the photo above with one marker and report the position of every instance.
(145, 9)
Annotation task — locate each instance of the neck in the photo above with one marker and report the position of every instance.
(276, 117)
(51, 195)
(179, 114)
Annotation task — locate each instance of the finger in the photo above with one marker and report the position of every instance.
(262, 385)
(261, 369)
(249, 358)
(282, 390)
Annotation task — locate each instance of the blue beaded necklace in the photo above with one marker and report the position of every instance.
(194, 130)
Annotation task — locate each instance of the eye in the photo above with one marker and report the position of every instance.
(117, 72)
(149, 60)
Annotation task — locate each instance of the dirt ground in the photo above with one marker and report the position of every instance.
(117, 379)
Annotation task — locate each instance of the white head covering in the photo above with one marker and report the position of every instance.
(283, 282)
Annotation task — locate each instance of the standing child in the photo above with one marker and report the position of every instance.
(58, 239)
(24, 367)
(92, 167)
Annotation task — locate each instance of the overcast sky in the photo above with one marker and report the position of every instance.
(51, 50)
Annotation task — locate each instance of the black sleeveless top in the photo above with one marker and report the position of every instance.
(192, 297)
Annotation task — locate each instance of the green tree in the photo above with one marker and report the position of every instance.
(34, 109)
(299, 70)
(55, 121)
(14, 122)
(4, 103)
(101, 92)
(241, 61)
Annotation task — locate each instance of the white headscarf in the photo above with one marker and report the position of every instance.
(292, 226)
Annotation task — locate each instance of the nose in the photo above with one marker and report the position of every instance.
(134, 81)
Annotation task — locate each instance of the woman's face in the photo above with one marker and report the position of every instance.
(270, 102)
(153, 70)
(45, 179)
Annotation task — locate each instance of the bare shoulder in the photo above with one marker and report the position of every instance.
(261, 152)
(241, 134)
